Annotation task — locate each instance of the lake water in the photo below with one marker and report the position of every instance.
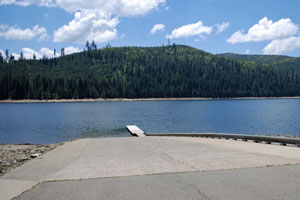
(56, 122)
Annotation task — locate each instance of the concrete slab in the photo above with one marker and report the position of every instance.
(36, 171)
(214, 154)
(48, 164)
(115, 157)
(122, 157)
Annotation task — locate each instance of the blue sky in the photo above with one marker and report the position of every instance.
(217, 26)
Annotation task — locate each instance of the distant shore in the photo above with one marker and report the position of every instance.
(137, 99)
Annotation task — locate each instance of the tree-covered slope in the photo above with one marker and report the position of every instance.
(137, 72)
(285, 62)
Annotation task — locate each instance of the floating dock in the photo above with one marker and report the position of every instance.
(135, 131)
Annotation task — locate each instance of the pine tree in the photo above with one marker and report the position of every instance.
(21, 56)
(94, 46)
(87, 45)
(62, 52)
(7, 54)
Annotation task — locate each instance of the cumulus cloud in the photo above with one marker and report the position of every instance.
(2, 53)
(47, 3)
(16, 56)
(137, 7)
(94, 20)
(88, 25)
(157, 28)
(265, 30)
(97, 20)
(14, 33)
(28, 53)
(222, 27)
(281, 46)
(49, 53)
(116, 7)
(190, 30)
(283, 35)
(247, 51)
(70, 50)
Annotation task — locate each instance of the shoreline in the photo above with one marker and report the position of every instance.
(137, 99)
(15, 155)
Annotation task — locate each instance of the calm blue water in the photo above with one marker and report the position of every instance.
(56, 122)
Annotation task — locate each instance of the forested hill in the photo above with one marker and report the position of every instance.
(290, 63)
(136, 72)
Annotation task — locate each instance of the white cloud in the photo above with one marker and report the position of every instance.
(70, 50)
(88, 25)
(265, 30)
(16, 56)
(47, 52)
(94, 19)
(3, 27)
(14, 33)
(222, 27)
(247, 51)
(47, 3)
(28, 53)
(190, 30)
(116, 7)
(157, 28)
(2, 53)
(281, 46)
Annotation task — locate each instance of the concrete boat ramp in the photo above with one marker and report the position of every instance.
(158, 168)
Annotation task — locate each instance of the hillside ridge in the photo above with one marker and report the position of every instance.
(146, 72)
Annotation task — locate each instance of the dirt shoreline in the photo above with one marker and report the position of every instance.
(14, 155)
(138, 99)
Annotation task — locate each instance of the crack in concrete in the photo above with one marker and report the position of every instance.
(191, 186)
(172, 158)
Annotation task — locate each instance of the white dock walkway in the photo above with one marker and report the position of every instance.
(135, 131)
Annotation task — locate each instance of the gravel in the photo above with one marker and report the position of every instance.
(12, 156)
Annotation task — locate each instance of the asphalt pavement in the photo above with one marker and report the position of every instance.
(268, 183)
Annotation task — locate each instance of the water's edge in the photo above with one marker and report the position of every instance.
(137, 99)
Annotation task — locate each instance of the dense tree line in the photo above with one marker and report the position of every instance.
(136, 72)
(289, 63)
